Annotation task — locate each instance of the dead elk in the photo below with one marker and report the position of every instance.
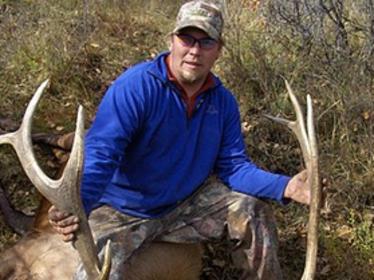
(41, 254)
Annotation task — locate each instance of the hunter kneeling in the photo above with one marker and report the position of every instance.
(161, 130)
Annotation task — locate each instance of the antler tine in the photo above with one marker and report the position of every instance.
(69, 190)
(298, 127)
(64, 192)
(314, 181)
(311, 128)
(280, 120)
(11, 137)
(21, 142)
(66, 197)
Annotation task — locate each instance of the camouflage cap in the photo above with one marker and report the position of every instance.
(201, 14)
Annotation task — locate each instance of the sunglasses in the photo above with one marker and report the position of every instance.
(206, 43)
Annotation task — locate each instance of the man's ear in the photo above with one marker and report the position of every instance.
(170, 41)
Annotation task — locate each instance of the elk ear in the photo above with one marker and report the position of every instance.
(41, 223)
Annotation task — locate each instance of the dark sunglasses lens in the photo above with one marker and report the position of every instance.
(186, 40)
(207, 43)
(189, 41)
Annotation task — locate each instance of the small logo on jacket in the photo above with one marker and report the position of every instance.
(212, 109)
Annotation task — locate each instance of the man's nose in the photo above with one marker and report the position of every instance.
(196, 48)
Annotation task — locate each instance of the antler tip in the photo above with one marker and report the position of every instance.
(105, 269)
(45, 83)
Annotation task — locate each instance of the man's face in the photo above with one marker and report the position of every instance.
(191, 64)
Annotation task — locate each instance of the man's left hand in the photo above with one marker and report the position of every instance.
(298, 188)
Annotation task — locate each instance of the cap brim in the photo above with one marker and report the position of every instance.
(207, 28)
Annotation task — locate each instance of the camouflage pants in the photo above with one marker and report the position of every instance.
(201, 217)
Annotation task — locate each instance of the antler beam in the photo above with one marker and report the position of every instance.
(64, 192)
(308, 143)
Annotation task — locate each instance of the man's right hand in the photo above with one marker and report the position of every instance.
(63, 223)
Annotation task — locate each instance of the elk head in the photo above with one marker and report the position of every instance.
(63, 193)
(308, 142)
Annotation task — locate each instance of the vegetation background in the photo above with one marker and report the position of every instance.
(324, 48)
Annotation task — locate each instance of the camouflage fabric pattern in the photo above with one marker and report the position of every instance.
(213, 209)
(203, 15)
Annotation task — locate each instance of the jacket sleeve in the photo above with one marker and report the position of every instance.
(117, 120)
(235, 168)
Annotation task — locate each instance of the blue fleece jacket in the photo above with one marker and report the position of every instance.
(143, 154)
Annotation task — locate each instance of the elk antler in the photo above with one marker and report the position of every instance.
(308, 143)
(64, 192)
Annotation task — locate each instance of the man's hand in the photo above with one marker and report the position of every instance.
(63, 223)
(298, 188)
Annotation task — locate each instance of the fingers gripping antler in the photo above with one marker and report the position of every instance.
(64, 192)
(308, 143)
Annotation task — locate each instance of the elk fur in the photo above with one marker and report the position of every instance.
(41, 255)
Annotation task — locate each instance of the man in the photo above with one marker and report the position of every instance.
(160, 132)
